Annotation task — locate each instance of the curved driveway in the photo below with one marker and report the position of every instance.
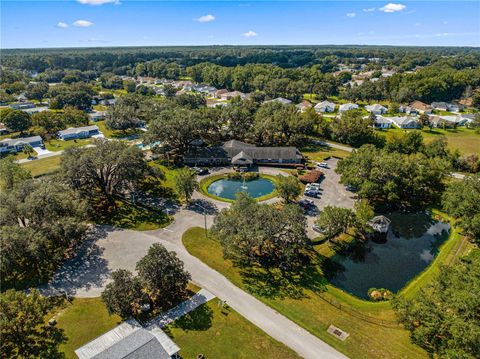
(87, 274)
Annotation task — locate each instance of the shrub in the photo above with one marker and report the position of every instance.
(380, 294)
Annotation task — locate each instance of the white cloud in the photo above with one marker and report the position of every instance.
(351, 14)
(98, 2)
(391, 7)
(372, 9)
(250, 33)
(62, 25)
(205, 18)
(82, 23)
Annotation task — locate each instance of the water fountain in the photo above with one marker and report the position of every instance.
(244, 185)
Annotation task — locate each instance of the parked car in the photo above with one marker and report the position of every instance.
(311, 193)
(313, 186)
(351, 188)
(322, 164)
(318, 229)
(200, 171)
(306, 203)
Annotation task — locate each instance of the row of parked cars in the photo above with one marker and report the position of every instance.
(312, 190)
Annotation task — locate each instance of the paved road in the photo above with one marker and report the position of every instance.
(109, 249)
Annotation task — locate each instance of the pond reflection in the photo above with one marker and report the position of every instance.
(411, 244)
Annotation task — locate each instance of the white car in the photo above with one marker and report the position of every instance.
(322, 164)
(313, 186)
(318, 229)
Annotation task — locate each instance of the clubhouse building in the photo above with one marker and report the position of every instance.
(243, 154)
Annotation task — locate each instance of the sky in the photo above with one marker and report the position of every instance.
(87, 23)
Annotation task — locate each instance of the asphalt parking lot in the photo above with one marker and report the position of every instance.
(332, 193)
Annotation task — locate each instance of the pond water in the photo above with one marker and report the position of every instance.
(411, 244)
(226, 188)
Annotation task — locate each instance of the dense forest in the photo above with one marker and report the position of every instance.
(426, 74)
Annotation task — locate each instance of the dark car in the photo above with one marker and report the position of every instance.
(200, 171)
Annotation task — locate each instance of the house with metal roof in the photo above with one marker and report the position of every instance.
(9, 145)
(130, 340)
(78, 132)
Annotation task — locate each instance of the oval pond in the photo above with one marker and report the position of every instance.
(227, 188)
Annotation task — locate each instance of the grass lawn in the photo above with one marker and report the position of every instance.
(82, 321)
(319, 153)
(136, 217)
(59, 145)
(366, 340)
(465, 140)
(214, 332)
(43, 166)
(208, 330)
(169, 173)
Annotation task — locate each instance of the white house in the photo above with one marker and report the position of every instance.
(408, 110)
(376, 109)
(78, 132)
(325, 106)
(382, 122)
(403, 122)
(466, 118)
(347, 107)
(22, 105)
(33, 110)
(96, 116)
(17, 144)
(281, 100)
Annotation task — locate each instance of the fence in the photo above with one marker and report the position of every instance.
(359, 315)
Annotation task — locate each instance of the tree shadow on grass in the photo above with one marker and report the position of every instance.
(136, 216)
(199, 319)
(277, 284)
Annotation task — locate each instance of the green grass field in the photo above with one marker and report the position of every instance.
(463, 139)
(315, 312)
(209, 330)
(82, 321)
(319, 153)
(223, 333)
(59, 145)
(43, 166)
(136, 217)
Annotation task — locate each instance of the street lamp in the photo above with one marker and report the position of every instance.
(205, 219)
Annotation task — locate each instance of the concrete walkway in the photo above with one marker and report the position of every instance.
(88, 273)
(201, 297)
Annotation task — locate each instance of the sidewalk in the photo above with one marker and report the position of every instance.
(201, 297)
